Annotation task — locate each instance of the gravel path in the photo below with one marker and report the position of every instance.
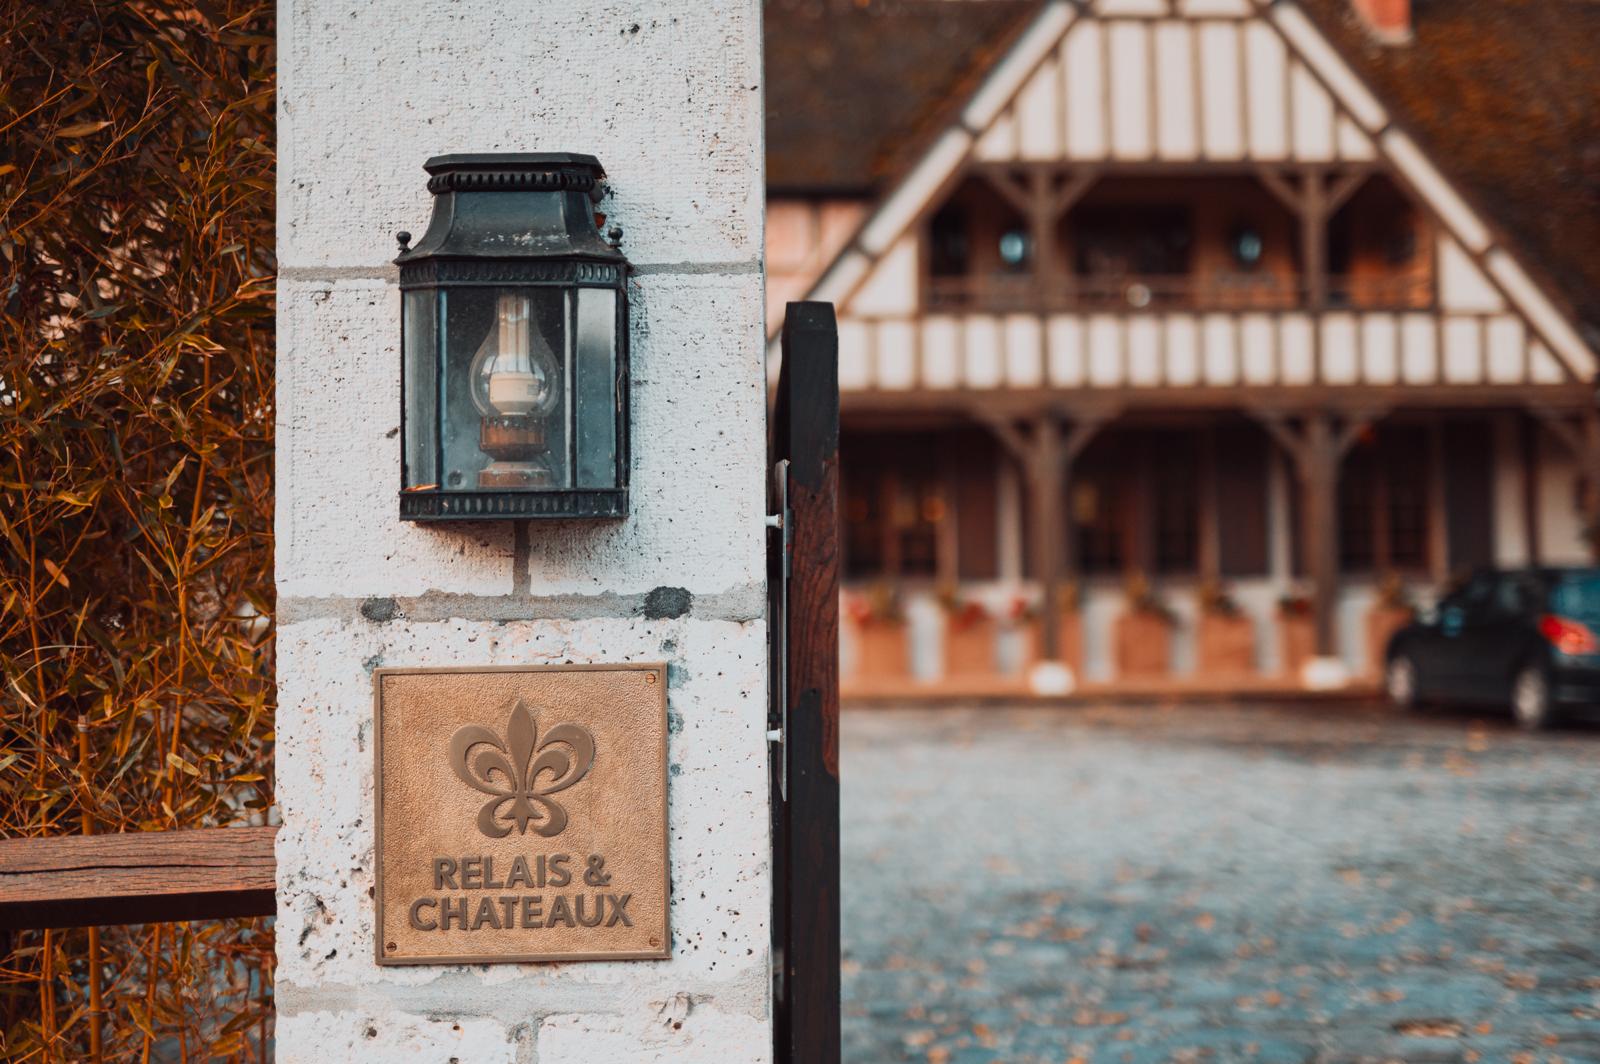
(1297, 884)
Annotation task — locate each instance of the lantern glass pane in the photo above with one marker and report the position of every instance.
(421, 389)
(504, 394)
(595, 388)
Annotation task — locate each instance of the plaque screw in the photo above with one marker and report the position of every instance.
(391, 947)
(650, 677)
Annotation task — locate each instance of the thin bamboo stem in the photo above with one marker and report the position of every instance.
(96, 1046)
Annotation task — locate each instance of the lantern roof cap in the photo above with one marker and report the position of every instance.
(514, 172)
(480, 160)
(541, 207)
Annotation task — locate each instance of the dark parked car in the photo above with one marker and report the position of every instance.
(1523, 637)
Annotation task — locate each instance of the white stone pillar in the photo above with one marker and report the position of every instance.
(667, 94)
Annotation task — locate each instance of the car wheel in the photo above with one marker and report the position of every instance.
(1400, 681)
(1530, 699)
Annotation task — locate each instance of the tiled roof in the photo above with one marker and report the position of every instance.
(855, 88)
(1503, 94)
(1505, 97)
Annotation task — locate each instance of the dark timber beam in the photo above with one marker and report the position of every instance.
(1042, 194)
(955, 405)
(1046, 450)
(1438, 505)
(137, 878)
(1313, 194)
(1316, 443)
(1210, 530)
(1528, 447)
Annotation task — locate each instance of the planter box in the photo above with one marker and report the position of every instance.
(1383, 622)
(969, 648)
(883, 651)
(1299, 635)
(1227, 644)
(1143, 646)
(1071, 643)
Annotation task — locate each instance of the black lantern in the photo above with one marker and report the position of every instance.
(514, 335)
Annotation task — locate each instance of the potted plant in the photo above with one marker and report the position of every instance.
(1025, 612)
(883, 651)
(1391, 612)
(1143, 634)
(969, 636)
(1226, 637)
(1298, 628)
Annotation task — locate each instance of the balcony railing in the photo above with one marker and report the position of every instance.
(1077, 349)
(1022, 292)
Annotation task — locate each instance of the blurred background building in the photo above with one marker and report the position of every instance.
(1199, 340)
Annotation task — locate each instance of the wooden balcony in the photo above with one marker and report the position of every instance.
(1163, 348)
(1022, 293)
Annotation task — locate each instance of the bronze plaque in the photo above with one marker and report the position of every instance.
(522, 814)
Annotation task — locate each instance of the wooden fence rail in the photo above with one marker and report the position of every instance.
(137, 878)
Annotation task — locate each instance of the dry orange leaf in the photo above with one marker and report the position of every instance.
(81, 129)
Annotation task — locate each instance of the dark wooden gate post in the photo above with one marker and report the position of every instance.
(804, 576)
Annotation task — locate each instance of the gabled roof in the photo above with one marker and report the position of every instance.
(855, 88)
(1502, 95)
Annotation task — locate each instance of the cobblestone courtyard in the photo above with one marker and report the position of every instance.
(1298, 884)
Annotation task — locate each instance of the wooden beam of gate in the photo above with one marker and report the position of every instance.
(806, 793)
(137, 878)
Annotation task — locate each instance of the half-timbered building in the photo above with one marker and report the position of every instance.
(1162, 320)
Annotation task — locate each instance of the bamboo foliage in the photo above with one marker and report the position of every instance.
(136, 362)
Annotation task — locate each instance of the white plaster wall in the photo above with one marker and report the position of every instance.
(1560, 520)
(668, 96)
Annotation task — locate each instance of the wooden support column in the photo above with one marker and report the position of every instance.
(1590, 462)
(1045, 194)
(1528, 437)
(1042, 230)
(1047, 483)
(889, 500)
(1046, 449)
(1321, 479)
(1316, 450)
(1438, 507)
(1210, 545)
(1314, 245)
(1314, 194)
(1141, 526)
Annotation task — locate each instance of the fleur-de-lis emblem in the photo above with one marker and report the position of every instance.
(520, 773)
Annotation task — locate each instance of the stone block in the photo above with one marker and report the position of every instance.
(699, 450)
(676, 1030)
(378, 1038)
(667, 96)
(338, 459)
(717, 789)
